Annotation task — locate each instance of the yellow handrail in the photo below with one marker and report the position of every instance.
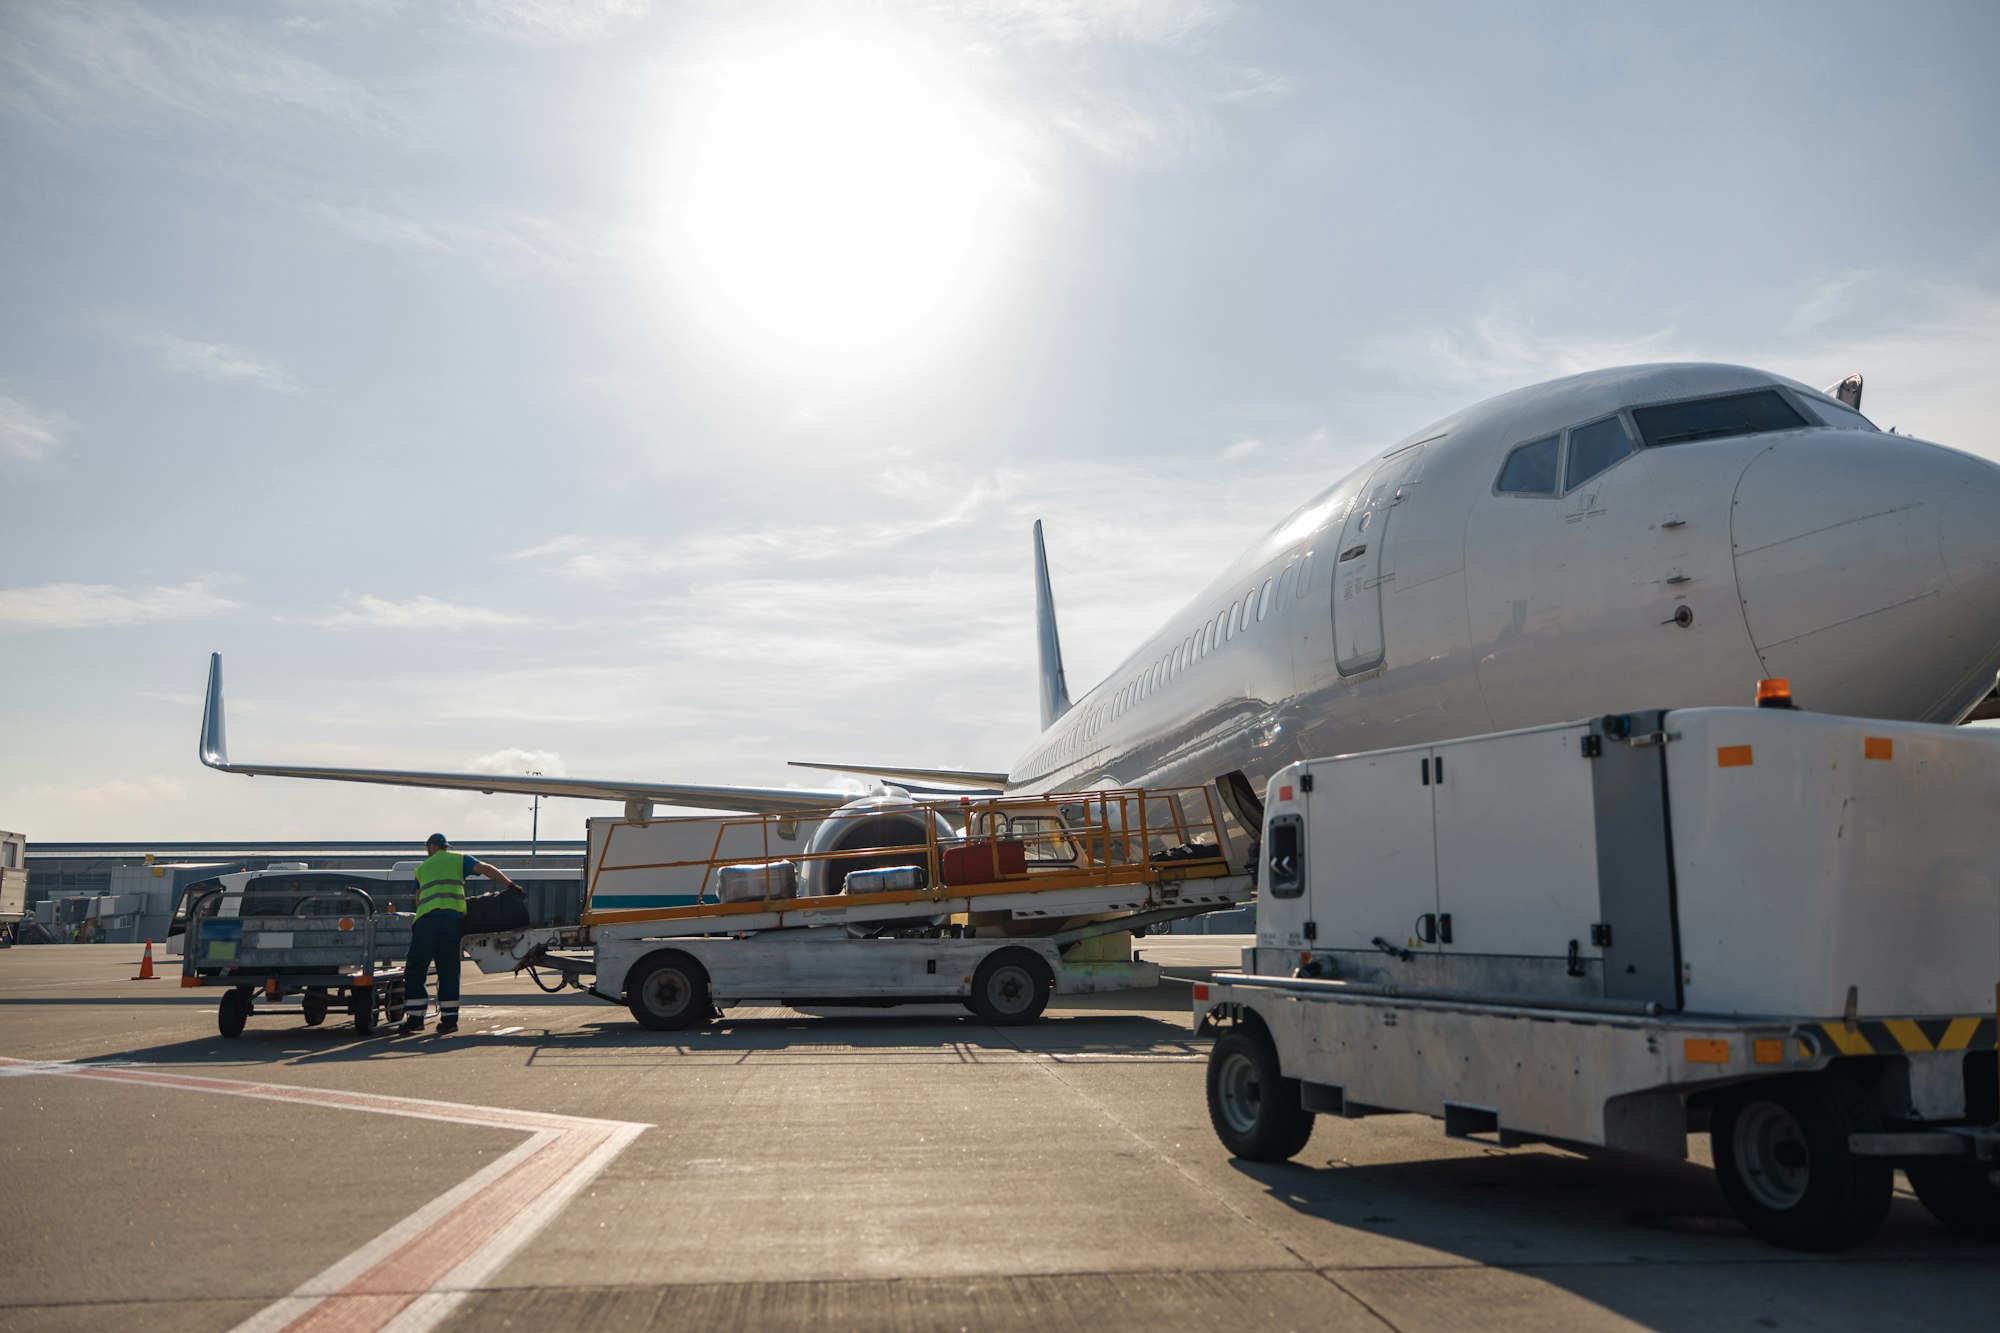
(1063, 846)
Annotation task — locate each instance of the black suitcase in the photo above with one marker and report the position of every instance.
(506, 909)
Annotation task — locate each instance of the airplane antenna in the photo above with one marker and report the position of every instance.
(1055, 688)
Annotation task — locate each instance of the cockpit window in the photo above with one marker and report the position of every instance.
(1531, 469)
(1713, 418)
(1594, 448)
(1842, 416)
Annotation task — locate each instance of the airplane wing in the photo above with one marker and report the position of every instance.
(961, 781)
(757, 800)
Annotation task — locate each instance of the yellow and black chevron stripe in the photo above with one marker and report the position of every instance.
(1893, 1036)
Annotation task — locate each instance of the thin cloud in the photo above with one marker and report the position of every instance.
(219, 362)
(119, 794)
(1246, 84)
(422, 612)
(903, 494)
(500, 241)
(30, 432)
(89, 605)
(551, 22)
(124, 64)
(514, 759)
(1086, 22)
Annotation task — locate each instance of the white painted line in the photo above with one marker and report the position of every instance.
(417, 1272)
(501, 1032)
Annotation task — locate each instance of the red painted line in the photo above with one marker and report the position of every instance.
(385, 1290)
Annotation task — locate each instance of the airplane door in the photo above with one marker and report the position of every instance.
(1358, 571)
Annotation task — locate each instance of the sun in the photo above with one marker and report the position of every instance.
(837, 199)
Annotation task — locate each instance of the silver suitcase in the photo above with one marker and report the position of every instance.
(742, 884)
(889, 879)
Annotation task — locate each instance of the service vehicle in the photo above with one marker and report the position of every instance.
(1778, 927)
(996, 903)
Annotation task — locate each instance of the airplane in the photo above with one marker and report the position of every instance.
(1653, 536)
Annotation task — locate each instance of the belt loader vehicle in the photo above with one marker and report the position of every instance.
(995, 903)
(1779, 927)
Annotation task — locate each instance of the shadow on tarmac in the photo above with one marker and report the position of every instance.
(1578, 1222)
(280, 1037)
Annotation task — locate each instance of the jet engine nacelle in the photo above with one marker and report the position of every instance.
(857, 836)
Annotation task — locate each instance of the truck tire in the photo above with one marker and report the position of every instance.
(1781, 1156)
(233, 1013)
(668, 992)
(1255, 1109)
(1011, 987)
(1959, 1193)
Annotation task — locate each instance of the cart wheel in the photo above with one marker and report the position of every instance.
(314, 1004)
(362, 1006)
(393, 1003)
(1255, 1109)
(669, 991)
(1011, 987)
(1781, 1156)
(233, 1013)
(1959, 1193)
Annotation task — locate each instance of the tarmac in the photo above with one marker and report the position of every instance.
(555, 1166)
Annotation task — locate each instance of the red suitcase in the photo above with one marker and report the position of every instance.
(983, 860)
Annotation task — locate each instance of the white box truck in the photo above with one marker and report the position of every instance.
(1777, 926)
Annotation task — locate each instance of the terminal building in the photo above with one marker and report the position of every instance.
(126, 892)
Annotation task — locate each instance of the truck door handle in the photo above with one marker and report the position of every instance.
(1434, 927)
(1424, 767)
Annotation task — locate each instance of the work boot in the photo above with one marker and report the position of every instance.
(414, 1023)
(447, 1025)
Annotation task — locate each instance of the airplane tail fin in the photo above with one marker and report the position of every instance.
(1055, 688)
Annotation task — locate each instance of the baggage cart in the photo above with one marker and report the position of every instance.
(330, 948)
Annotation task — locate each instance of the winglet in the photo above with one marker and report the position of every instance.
(1055, 688)
(214, 740)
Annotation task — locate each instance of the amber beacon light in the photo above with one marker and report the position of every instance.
(1774, 692)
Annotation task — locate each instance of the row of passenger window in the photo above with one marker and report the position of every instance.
(1208, 637)
(1562, 462)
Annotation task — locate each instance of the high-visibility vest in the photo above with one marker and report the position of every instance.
(441, 883)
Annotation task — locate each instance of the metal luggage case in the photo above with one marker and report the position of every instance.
(749, 883)
(887, 879)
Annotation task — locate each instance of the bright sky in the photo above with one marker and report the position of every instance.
(667, 390)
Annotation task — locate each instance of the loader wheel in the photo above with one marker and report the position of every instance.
(233, 1013)
(668, 992)
(1781, 1156)
(1255, 1109)
(1959, 1193)
(1011, 987)
(313, 1003)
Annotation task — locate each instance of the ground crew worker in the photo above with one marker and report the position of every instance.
(434, 938)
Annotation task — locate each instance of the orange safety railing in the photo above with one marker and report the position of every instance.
(971, 846)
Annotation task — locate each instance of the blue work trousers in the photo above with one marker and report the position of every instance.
(434, 939)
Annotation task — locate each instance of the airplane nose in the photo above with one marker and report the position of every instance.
(1869, 569)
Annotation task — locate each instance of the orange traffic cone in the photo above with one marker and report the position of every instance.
(146, 965)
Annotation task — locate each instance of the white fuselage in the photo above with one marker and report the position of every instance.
(1415, 600)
